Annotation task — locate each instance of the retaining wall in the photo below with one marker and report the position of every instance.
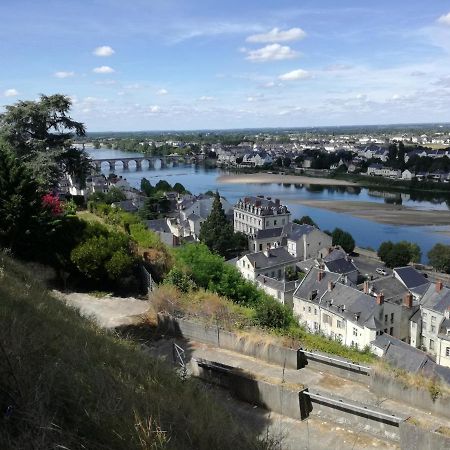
(218, 337)
(388, 387)
(273, 397)
(413, 437)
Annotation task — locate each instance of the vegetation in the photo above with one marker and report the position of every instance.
(39, 133)
(344, 239)
(217, 232)
(439, 257)
(306, 220)
(66, 384)
(399, 254)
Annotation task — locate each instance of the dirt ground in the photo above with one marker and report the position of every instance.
(277, 178)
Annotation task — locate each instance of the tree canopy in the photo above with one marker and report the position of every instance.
(399, 254)
(306, 220)
(344, 239)
(439, 257)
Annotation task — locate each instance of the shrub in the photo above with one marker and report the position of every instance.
(272, 314)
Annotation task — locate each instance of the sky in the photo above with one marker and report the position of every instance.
(131, 65)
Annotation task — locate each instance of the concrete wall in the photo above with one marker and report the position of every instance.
(388, 387)
(413, 437)
(274, 354)
(273, 397)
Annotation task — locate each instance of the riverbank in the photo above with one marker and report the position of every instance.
(382, 212)
(277, 178)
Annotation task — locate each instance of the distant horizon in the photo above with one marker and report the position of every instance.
(269, 128)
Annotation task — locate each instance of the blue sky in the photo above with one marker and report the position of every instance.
(196, 64)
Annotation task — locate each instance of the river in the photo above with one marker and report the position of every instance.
(366, 233)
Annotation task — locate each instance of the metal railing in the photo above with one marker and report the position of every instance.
(340, 362)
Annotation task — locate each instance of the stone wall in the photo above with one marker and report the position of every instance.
(414, 437)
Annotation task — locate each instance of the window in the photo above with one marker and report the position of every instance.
(447, 351)
(274, 222)
(332, 335)
(355, 331)
(304, 308)
(433, 319)
(433, 328)
(391, 331)
(386, 330)
(315, 311)
(339, 324)
(327, 319)
(431, 344)
(309, 309)
(260, 247)
(385, 318)
(424, 316)
(392, 317)
(282, 221)
(316, 326)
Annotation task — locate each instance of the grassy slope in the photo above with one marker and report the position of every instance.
(70, 385)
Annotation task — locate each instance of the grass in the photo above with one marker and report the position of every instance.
(64, 383)
(443, 430)
(213, 309)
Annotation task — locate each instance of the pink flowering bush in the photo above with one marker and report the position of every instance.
(53, 204)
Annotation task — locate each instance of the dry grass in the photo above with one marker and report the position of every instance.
(203, 305)
(443, 430)
(64, 383)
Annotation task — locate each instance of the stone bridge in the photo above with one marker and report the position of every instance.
(139, 161)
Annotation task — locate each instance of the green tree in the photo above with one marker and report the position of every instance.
(40, 132)
(439, 257)
(217, 232)
(384, 249)
(146, 187)
(20, 201)
(415, 253)
(344, 239)
(178, 187)
(306, 220)
(399, 256)
(163, 186)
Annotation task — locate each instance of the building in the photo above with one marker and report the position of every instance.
(435, 309)
(259, 213)
(270, 263)
(281, 290)
(382, 171)
(305, 241)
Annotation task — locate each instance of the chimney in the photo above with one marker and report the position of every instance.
(380, 298)
(408, 300)
(266, 252)
(366, 287)
(320, 275)
(330, 286)
(439, 286)
(264, 280)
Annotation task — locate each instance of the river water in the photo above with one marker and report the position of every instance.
(366, 233)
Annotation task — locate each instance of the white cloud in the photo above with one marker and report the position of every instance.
(104, 50)
(63, 74)
(298, 74)
(277, 35)
(104, 69)
(271, 52)
(11, 93)
(445, 19)
(154, 109)
(162, 92)
(206, 98)
(105, 82)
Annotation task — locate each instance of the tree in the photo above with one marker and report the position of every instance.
(306, 220)
(344, 239)
(217, 232)
(384, 249)
(40, 132)
(415, 254)
(178, 187)
(20, 200)
(439, 257)
(163, 186)
(146, 187)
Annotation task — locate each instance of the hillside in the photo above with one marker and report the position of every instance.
(64, 383)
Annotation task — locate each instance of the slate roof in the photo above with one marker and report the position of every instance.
(269, 233)
(193, 217)
(410, 277)
(310, 283)
(356, 303)
(158, 225)
(437, 301)
(295, 231)
(284, 286)
(336, 253)
(341, 266)
(402, 355)
(276, 257)
(391, 288)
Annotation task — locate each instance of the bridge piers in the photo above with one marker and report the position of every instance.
(138, 164)
(112, 166)
(125, 164)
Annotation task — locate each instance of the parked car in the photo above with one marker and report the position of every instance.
(380, 271)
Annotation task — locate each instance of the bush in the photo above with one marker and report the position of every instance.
(180, 280)
(271, 314)
(344, 239)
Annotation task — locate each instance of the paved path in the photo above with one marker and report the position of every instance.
(107, 312)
